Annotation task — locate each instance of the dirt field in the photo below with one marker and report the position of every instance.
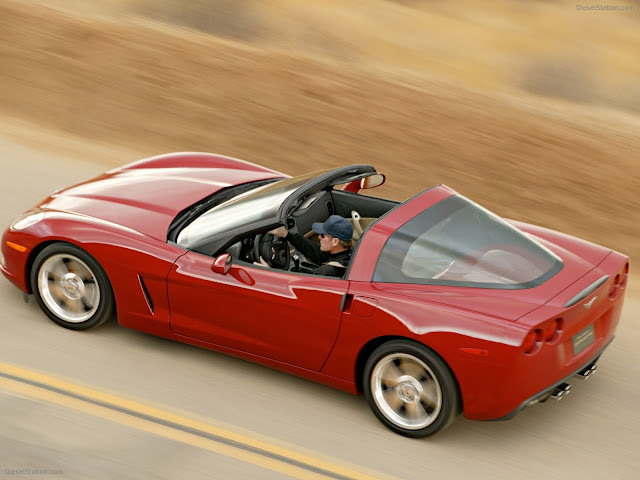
(112, 86)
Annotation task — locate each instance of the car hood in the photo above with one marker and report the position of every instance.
(146, 197)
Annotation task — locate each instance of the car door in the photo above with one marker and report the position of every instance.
(292, 318)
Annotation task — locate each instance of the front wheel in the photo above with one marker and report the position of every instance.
(410, 389)
(71, 288)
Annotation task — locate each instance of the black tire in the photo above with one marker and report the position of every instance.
(410, 389)
(71, 287)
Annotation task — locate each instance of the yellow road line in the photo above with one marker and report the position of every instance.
(172, 426)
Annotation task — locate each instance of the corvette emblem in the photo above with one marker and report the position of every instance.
(589, 303)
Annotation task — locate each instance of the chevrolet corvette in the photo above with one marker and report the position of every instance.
(445, 308)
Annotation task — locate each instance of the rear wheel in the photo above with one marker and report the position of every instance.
(410, 389)
(71, 287)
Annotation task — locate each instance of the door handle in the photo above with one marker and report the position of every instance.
(345, 303)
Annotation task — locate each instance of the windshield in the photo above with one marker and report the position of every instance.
(457, 242)
(248, 208)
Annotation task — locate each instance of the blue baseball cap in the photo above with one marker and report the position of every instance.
(336, 226)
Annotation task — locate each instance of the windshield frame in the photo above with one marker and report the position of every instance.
(279, 200)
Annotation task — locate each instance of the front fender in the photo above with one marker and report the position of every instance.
(132, 261)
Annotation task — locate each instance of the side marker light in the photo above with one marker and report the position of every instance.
(17, 247)
(476, 351)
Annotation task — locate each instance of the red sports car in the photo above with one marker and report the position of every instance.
(444, 307)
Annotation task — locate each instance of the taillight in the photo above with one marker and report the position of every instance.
(550, 333)
(625, 276)
(533, 341)
(613, 293)
(553, 330)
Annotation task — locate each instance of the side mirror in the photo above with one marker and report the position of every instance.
(222, 264)
(372, 181)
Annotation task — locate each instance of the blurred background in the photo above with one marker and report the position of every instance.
(531, 108)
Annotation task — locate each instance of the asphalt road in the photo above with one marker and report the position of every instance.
(593, 434)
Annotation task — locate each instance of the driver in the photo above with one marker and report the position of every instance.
(334, 252)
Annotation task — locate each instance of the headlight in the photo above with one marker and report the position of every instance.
(27, 221)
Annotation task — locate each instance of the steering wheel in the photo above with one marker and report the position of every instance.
(274, 250)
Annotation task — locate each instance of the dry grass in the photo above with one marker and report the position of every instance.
(544, 47)
(236, 19)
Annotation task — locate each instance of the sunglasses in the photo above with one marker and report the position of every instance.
(323, 235)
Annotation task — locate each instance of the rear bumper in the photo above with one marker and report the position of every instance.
(543, 394)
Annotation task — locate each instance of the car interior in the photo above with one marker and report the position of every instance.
(361, 210)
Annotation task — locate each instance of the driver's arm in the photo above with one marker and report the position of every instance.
(309, 249)
(262, 262)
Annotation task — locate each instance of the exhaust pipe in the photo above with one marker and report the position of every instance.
(587, 372)
(561, 391)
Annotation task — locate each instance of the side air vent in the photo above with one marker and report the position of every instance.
(145, 292)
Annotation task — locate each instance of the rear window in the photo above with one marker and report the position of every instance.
(457, 242)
